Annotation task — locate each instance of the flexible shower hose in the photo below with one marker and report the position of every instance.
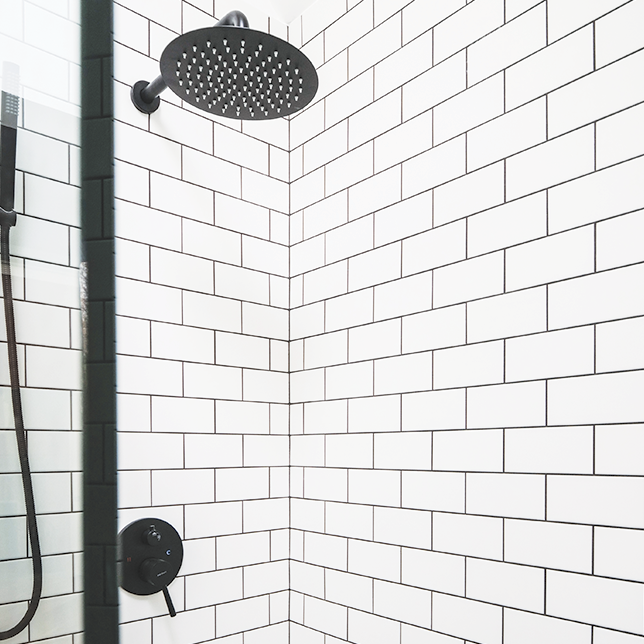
(8, 219)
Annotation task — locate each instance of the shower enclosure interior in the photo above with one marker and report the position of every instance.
(43, 41)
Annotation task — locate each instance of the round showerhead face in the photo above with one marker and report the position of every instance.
(239, 73)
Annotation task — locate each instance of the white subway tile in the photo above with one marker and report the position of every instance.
(469, 619)
(403, 373)
(616, 241)
(374, 414)
(562, 19)
(610, 398)
(210, 172)
(148, 226)
(407, 295)
(403, 451)
(324, 550)
(309, 515)
(466, 26)
(616, 553)
(471, 450)
(307, 450)
(349, 28)
(403, 603)
(349, 98)
(266, 386)
(246, 614)
(265, 256)
(213, 450)
(325, 215)
(411, 528)
(145, 451)
(241, 216)
(240, 149)
(551, 163)
(469, 280)
(612, 146)
(326, 617)
(403, 65)
(349, 169)
(326, 349)
(552, 67)
(476, 364)
(433, 167)
(307, 385)
(604, 500)
(509, 495)
(506, 315)
(144, 376)
(182, 271)
(234, 417)
(328, 145)
(517, 39)
(512, 405)
(242, 351)
(594, 600)
(471, 193)
(147, 150)
(325, 483)
(502, 137)
(207, 310)
(594, 96)
(551, 259)
(404, 218)
(587, 199)
(171, 487)
(375, 193)
(434, 410)
(468, 535)
(375, 267)
(506, 584)
(616, 33)
(436, 247)
(617, 449)
(420, 16)
(325, 417)
(211, 381)
(349, 520)
(351, 239)
(374, 560)
(374, 487)
(349, 450)
(375, 340)
(365, 628)
(182, 343)
(319, 16)
(549, 450)
(529, 628)
(403, 142)
(549, 545)
(375, 45)
(468, 109)
(434, 571)
(241, 283)
(434, 329)
(437, 84)
(441, 491)
(238, 484)
(559, 353)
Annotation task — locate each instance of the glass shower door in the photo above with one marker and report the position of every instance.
(40, 50)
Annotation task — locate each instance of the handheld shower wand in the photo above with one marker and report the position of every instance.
(8, 141)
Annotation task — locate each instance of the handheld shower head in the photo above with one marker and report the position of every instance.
(233, 71)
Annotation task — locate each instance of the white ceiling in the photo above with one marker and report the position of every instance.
(284, 10)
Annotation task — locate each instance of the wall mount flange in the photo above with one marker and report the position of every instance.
(150, 556)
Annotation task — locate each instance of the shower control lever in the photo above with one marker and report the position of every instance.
(150, 556)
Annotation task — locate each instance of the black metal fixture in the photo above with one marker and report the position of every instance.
(150, 556)
(233, 71)
(8, 142)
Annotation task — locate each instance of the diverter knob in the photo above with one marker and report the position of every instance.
(155, 572)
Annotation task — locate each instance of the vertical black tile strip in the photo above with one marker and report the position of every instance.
(97, 228)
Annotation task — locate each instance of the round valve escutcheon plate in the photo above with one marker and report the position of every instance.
(150, 556)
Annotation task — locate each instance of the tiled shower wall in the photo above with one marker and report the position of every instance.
(464, 329)
(43, 40)
(202, 337)
(466, 325)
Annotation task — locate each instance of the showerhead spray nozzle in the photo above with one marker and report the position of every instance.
(233, 71)
(10, 98)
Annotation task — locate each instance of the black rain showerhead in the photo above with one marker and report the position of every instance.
(233, 71)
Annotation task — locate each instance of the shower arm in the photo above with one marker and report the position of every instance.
(145, 96)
